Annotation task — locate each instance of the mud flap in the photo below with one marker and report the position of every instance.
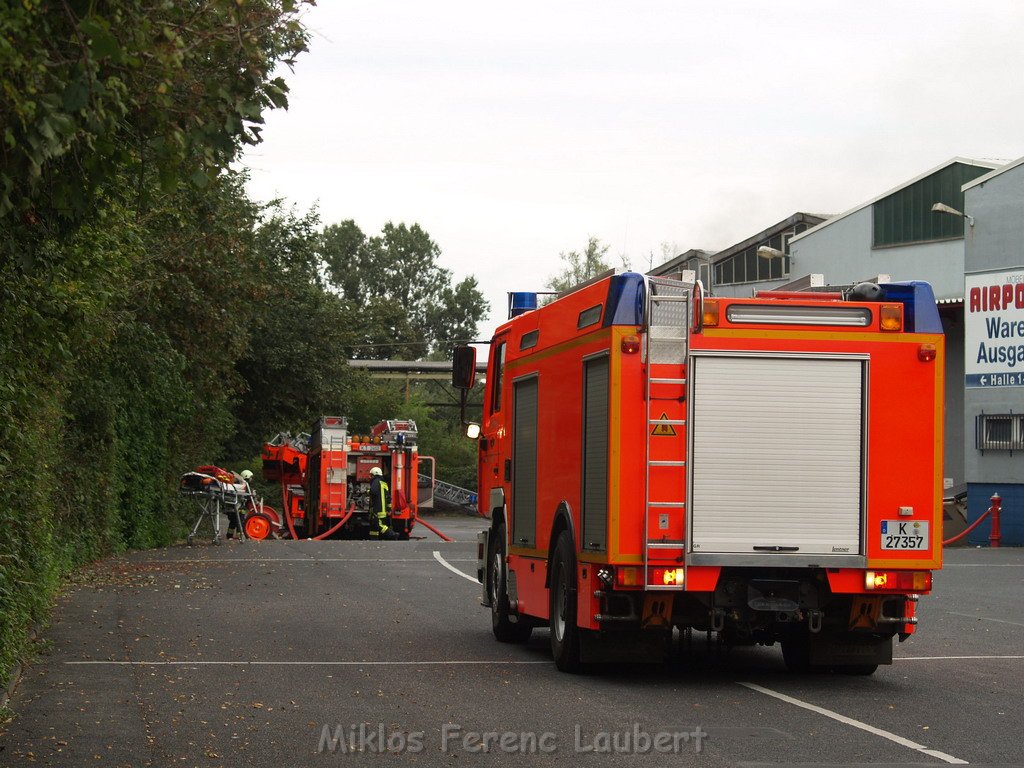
(657, 610)
(482, 553)
(623, 646)
(826, 650)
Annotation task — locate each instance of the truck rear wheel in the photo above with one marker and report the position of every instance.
(505, 629)
(796, 652)
(565, 634)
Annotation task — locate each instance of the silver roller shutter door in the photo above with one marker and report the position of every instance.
(777, 455)
(524, 463)
(595, 454)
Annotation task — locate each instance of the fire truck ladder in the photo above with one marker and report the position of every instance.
(453, 494)
(667, 345)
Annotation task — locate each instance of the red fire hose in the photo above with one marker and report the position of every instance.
(996, 536)
(428, 526)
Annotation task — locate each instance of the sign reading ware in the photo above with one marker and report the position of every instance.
(994, 329)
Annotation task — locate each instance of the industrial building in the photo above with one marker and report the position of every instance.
(993, 413)
(923, 229)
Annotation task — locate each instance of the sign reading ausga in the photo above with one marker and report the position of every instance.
(994, 329)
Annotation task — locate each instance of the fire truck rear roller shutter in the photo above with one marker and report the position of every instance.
(777, 455)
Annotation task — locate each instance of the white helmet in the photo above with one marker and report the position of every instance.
(246, 475)
(376, 472)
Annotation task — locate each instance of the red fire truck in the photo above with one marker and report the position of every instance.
(325, 476)
(767, 469)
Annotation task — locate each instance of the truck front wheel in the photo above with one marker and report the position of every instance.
(506, 627)
(565, 634)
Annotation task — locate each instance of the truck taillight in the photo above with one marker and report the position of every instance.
(626, 576)
(632, 576)
(665, 577)
(898, 581)
(631, 344)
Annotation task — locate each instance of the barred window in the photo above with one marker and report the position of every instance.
(999, 432)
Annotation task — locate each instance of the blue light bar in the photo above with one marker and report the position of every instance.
(920, 312)
(625, 303)
(518, 303)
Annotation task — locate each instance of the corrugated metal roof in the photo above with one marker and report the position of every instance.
(992, 174)
(872, 201)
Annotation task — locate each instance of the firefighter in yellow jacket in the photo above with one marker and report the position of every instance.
(379, 503)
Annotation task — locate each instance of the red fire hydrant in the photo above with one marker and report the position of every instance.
(996, 535)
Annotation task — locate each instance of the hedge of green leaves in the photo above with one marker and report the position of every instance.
(154, 318)
(128, 269)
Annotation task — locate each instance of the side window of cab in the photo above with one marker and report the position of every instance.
(497, 372)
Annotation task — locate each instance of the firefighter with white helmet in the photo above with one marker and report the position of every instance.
(379, 502)
(235, 514)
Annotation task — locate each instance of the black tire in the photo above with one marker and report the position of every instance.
(796, 652)
(507, 628)
(565, 634)
(857, 669)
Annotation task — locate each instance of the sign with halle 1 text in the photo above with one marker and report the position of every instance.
(994, 329)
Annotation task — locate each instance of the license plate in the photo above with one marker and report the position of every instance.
(905, 534)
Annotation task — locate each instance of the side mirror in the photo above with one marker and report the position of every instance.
(464, 367)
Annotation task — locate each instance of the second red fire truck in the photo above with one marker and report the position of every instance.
(767, 469)
(325, 477)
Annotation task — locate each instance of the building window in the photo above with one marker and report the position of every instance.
(999, 432)
(499, 372)
(906, 216)
(702, 268)
(747, 267)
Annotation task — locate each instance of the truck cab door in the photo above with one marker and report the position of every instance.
(495, 461)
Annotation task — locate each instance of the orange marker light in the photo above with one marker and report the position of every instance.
(926, 353)
(710, 312)
(631, 344)
(891, 317)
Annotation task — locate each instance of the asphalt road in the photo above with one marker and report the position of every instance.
(242, 654)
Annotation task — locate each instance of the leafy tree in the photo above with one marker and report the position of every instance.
(128, 269)
(295, 367)
(407, 305)
(579, 267)
(93, 92)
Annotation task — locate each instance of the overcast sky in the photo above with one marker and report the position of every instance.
(511, 132)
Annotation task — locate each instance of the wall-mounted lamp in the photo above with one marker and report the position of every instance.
(766, 252)
(943, 208)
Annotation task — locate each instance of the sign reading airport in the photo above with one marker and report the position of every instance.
(994, 329)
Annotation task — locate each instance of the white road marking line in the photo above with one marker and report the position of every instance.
(453, 569)
(303, 560)
(950, 658)
(985, 618)
(857, 724)
(433, 663)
